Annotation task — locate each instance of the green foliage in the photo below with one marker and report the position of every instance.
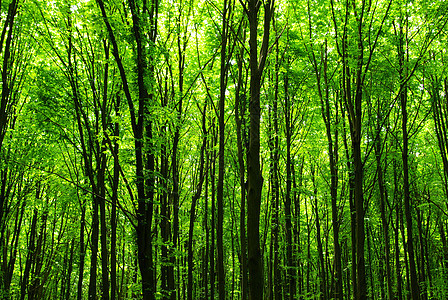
(60, 137)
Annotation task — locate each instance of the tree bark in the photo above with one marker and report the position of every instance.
(240, 110)
(415, 290)
(291, 272)
(383, 199)
(221, 128)
(194, 200)
(254, 174)
(321, 265)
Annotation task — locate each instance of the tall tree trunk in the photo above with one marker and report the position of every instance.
(397, 204)
(297, 226)
(144, 153)
(69, 271)
(165, 227)
(93, 250)
(101, 174)
(82, 251)
(415, 290)
(240, 110)
(422, 275)
(383, 198)
(291, 272)
(113, 217)
(29, 256)
(351, 203)
(207, 234)
(254, 175)
(275, 186)
(212, 219)
(321, 265)
(194, 200)
(221, 128)
(5, 103)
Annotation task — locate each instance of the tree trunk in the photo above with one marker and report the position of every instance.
(254, 174)
(221, 128)
(275, 186)
(240, 109)
(82, 251)
(415, 291)
(194, 199)
(352, 205)
(321, 265)
(113, 217)
(29, 256)
(144, 156)
(291, 273)
(383, 198)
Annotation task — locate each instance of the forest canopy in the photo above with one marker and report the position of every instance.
(189, 149)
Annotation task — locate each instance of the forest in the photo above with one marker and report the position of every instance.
(223, 149)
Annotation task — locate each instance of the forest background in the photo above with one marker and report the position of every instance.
(199, 149)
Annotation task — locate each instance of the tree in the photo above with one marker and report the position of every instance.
(257, 63)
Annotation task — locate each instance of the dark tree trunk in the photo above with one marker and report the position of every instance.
(29, 256)
(221, 129)
(291, 272)
(397, 204)
(415, 291)
(82, 251)
(240, 110)
(352, 206)
(254, 175)
(69, 271)
(5, 103)
(94, 250)
(321, 265)
(275, 186)
(113, 217)
(142, 128)
(299, 262)
(383, 199)
(207, 234)
(194, 200)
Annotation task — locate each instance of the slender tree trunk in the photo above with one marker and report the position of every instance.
(212, 219)
(291, 273)
(397, 204)
(113, 217)
(275, 187)
(441, 227)
(94, 250)
(415, 291)
(29, 256)
(194, 200)
(321, 267)
(69, 271)
(220, 184)
(422, 265)
(240, 107)
(82, 251)
(207, 234)
(165, 228)
(383, 197)
(254, 175)
(352, 205)
(5, 102)
(308, 252)
(101, 171)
